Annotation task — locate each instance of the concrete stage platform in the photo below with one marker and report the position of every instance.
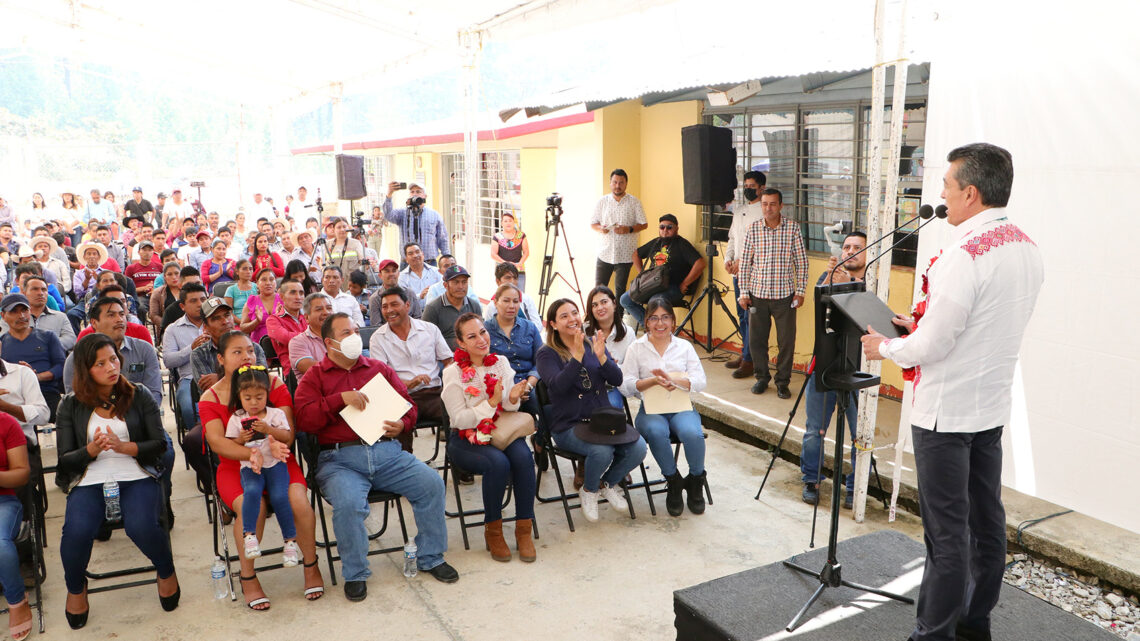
(756, 605)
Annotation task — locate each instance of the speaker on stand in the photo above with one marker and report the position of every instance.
(708, 161)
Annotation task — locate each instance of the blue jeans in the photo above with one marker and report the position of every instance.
(742, 316)
(347, 475)
(614, 394)
(76, 315)
(673, 294)
(11, 516)
(514, 464)
(186, 405)
(655, 429)
(275, 479)
(820, 406)
(140, 501)
(604, 463)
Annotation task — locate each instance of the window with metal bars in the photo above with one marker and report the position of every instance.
(500, 185)
(377, 175)
(817, 156)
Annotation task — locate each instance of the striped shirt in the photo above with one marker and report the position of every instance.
(774, 262)
(609, 212)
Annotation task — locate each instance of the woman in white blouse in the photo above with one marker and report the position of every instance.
(479, 386)
(604, 318)
(661, 359)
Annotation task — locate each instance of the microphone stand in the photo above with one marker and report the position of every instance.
(939, 214)
(926, 211)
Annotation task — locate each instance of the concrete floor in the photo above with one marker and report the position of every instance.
(612, 579)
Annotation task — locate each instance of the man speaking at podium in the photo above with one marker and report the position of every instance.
(962, 344)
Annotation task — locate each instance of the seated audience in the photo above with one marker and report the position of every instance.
(445, 310)
(282, 326)
(389, 278)
(343, 302)
(260, 307)
(576, 371)
(134, 330)
(348, 469)
(307, 348)
(143, 272)
(38, 349)
(234, 352)
(109, 432)
(179, 341)
(507, 273)
(436, 290)
(296, 270)
(218, 268)
(15, 471)
(683, 262)
(243, 287)
(35, 289)
(418, 276)
(187, 276)
(164, 295)
(416, 351)
(475, 416)
(517, 339)
(358, 289)
(660, 359)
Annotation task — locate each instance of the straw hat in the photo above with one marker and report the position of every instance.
(81, 252)
(297, 234)
(52, 245)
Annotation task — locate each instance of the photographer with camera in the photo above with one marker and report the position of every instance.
(418, 224)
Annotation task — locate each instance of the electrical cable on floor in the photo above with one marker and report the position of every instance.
(1025, 525)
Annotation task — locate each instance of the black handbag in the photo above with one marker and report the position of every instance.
(649, 282)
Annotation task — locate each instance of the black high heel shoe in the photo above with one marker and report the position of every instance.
(169, 603)
(79, 620)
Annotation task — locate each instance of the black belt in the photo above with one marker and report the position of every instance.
(352, 443)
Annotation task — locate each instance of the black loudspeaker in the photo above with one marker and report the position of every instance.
(709, 164)
(350, 177)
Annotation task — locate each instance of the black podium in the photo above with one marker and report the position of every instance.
(842, 312)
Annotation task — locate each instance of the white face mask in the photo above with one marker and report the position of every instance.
(351, 347)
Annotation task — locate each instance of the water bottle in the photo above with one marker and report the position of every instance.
(111, 500)
(218, 574)
(410, 569)
(47, 438)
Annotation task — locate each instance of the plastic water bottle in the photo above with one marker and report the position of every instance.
(410, 569)
(218, 574)
(47, 438)
(111, 500)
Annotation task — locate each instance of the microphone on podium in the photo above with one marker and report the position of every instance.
(938, 212)
(926, 212)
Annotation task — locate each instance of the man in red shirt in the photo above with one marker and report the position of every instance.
(349, 468)
(287, 322)
(143, 272)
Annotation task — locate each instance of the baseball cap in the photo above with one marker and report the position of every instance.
(12, 301)
(384, 263)
(161, 194)
(204, 232)
(455, 271)
(212, 305)
(137, 189)
(146, 243)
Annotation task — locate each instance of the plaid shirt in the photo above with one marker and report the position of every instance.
(774, 262)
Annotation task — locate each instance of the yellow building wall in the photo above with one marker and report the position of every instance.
(663, 180)
(620, 127)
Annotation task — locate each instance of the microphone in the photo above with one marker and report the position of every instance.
(925, 212)
(939, 212)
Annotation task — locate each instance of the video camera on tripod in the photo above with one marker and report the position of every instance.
(553, 209)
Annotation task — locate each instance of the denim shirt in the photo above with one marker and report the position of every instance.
(521, 349)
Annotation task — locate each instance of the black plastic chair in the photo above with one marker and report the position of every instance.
(307, 445)
(219, 289)
(553, 452)
(271, 358)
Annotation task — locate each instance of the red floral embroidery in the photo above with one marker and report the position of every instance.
(479, 434)
(996, 237)
(914, 373)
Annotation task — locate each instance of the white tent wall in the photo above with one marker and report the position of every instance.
(1058, 89)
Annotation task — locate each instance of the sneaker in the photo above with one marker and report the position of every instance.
(291, 555)
(252, 549)
(614, 496)
(810, 494)
(589, 505)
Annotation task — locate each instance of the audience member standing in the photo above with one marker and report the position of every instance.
(773, 274)
(418, 224)
(618, 217)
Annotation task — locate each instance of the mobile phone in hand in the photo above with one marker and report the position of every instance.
(247, 424)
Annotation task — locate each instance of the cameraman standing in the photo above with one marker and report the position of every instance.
(417, 223)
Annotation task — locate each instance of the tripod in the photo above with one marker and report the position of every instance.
(714, 291)
(550, 246)
(835, 336)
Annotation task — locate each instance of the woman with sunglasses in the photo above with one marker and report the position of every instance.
(576, 371)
